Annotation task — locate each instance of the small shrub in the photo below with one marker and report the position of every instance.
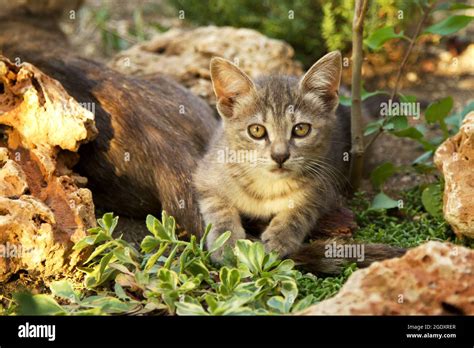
(168, 275)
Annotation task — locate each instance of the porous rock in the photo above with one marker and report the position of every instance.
(432, 279)
(455, 159)
(43, 211)
(185, 55)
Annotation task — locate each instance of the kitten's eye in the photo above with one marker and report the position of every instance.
(257, 131)
(301, 130)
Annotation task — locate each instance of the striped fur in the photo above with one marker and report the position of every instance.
(292, 200)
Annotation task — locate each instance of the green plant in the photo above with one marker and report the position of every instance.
(311, 27)
(395, 113)
(436, 115)
(411, 225)
(169, 275)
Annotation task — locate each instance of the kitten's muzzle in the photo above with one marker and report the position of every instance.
(280, 158)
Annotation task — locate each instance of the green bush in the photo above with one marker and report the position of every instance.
(168, 275)
(312, 27)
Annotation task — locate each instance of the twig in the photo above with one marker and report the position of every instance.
(426, 14)
(412, 40)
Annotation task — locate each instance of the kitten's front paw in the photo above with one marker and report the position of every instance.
(278, 242)
(218, 255)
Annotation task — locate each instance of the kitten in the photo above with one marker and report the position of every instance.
(278, 155)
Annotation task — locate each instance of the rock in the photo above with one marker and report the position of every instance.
(185, 55)
(433, 279)
(43, 211)
(455, 159)
(12, 178)
(463, 63)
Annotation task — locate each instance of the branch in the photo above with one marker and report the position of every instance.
(412, 40)
(426, 14)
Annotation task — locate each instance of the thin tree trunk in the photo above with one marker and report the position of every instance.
(356, 108)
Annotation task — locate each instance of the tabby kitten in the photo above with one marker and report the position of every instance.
(277, 156)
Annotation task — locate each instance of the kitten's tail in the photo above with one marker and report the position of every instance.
(329, 257)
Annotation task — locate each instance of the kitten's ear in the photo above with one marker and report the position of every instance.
(230, 83)
(323, 78)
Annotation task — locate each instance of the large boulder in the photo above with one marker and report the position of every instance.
(433, 279)
(43, 209)
(185, 54)
(455, 159)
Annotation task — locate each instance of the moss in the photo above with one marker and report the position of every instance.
(407, 227)
(323, 288)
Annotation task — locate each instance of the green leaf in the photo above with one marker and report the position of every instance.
(438, 110)
(109, 304)
(202, 242)
(278, 303)
(211, 302)
(230, 278)
(380, 174)
(457, 118)
(149, 244)
(432, 199)
(303, 304)
(407, 98)
(84, 243)
(186, 308)
(346, 101)
(108, 223)
(373, 127)
(63, 288)
(251, 254)
(152, 260)
(104, 262)
(285, 266)
(365, 94)
(120, 292)
(197, 267)
(382, 201)
(382, 35)
(156, 228)
(168, 279)
(396, 123)
(220, 241)
(272, 260)
(124, 255)
(99, 250)
(169, 224)
(29, 304)
(450, 25)
(410, 132)
(289, 289)
(101, 273)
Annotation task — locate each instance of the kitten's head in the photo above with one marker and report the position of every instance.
(287, 122)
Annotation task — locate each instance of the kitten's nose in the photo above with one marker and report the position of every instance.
(280, 157)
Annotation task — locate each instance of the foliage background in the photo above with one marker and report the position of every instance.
(312, 27)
